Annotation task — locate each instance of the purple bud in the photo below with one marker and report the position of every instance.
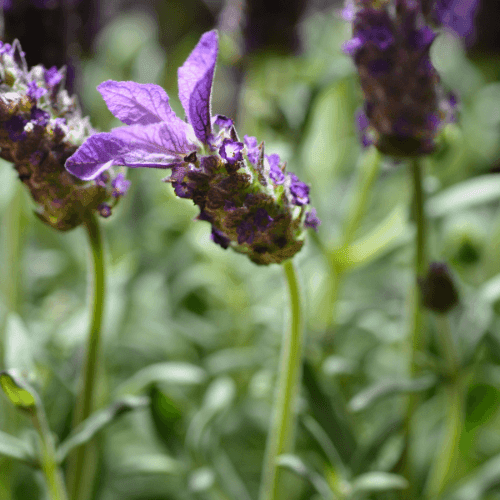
(438, 290)
(223, 121)
(275, 172)
(299, 190)
(34, 92)
(39, 117)
(104, 210)
(312, 220)
(120, 185)
(52, 77)
(220, 238)
(245, 232)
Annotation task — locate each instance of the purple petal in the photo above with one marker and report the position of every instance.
(195, 84)
(136, 103)
(94, 156)
(168, 138)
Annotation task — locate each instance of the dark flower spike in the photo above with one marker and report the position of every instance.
(252, 203)
(437, 288)
(40, 127)
(405, 107)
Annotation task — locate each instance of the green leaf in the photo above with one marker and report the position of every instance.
(154, 463)
(378, 481)
(13, 447)
(297, 466)
(472, 192)
(96, 423)
(387, 235)
(168, 372)
(329, 414)
(475, 486)
(18, 345)
(369, 396)
(19, 393)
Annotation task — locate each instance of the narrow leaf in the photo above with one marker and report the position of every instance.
(170, 372)
(332, 419)
(472, 192)
(387, 235)
(369, 396)
(297, 466)
(378, 481)
(96, 423)
(17, 449)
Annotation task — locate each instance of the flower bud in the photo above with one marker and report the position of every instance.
(437, 288)
(40, 128)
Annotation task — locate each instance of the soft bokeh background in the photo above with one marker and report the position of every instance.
(198, 329)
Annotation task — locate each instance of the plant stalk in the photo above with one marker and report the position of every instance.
(79, 460)
(282, 430)
(50, 468)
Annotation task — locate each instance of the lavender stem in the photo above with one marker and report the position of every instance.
(78, 461)
(281, 434)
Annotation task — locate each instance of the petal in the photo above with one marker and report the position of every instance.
(138, 158)
(94, 156)
(141, 103)
(195, 84)
(170, 139)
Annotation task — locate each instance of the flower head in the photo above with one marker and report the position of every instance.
(405, 106)
(253, 205)
(40, 127)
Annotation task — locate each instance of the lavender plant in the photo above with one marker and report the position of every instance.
(40, 127)
(254, 205)
(405, 109)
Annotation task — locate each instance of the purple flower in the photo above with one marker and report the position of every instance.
(234, 184)
(34, 91)
(456, 15)
(312, 220)
(39, 117)
(275, 173)
(231, 151)
(223, 121)
(154, 136)
(120, 185)
(52, 77)
(252, 148)
(299, 190)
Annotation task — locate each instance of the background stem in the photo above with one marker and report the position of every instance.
(281, 433)
(416, 339)
(79, 466)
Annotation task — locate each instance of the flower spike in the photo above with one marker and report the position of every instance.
(253, 204)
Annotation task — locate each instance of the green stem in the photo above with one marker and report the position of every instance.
(50, 469)
(281, 433)
(416, 338)
(78, 460)
(445, 464)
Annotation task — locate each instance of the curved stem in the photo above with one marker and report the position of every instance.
(281, 433)
(85, 399)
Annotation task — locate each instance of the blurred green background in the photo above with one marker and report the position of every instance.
(198, 328)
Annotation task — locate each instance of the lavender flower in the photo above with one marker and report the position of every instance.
(252, 203)
(405, 106)
(40, 127)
